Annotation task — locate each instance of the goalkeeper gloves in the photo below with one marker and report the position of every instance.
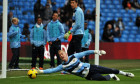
(99, 52)
(66, 36)
(38, 70)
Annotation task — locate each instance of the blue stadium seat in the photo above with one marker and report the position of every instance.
(138, 36)
(0, 34)
(110, 14)
(130, 24)
(131, 36)
(137, 40)
(106, 10)
(122, 11)
(110, 6)
(127, 28)
(126, 19)
(116, 40)
(109, 2)
(103, 6)
(130, 11)
(124, 35)
(123, 40)
(114, 10)
(116, 2)
(131, 40)
(118, 6)
(133, 32)
(126, 15)
(134, 28)
(0, 39)
(118, 15)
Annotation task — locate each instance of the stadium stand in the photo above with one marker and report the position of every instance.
(110, 9)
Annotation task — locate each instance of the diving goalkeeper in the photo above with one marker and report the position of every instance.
(73, 65)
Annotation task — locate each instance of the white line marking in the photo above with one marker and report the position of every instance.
(64, 74)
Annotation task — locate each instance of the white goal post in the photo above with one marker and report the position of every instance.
(4, 39)
(97, 31)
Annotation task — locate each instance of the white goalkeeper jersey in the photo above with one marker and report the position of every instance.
(74, 65)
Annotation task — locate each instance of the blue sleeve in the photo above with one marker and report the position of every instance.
(81, 54)
(44, 37)
(62, 32)
(12, 32)
(53, 70)
(89, 39)
(31, 36)
(77, 21)
(48, 38)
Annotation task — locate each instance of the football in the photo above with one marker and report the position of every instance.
(32, 73)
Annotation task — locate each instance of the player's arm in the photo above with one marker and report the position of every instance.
(89, 39)
(81, 54)
(48, 38)
(12, 32)
(53, 70)
(31, 36)
(62, 32)
(78, 17)
(88, 52)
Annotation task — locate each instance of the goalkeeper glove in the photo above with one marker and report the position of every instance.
(38, 70)
(66, 36)
(99, 52)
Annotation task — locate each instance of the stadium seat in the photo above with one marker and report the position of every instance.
(133, 32)
(116, 40)
(110, 6)
(103, 6)
(124, 36)
(131, 40)
(137, 40)
(0, 39)
(0, 34)
(123, 40)
(118, 6)
(126, 19)
(131, 36)
(116, 2)
(114, 10)
(138, 36)
(134, 28)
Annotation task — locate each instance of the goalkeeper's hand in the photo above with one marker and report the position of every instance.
(66, 36)
(38, 70)
(100, 52)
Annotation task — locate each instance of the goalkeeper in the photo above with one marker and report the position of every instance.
(73, 65)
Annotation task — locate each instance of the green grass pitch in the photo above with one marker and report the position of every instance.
(20, 77)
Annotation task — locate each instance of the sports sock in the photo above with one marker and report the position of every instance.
(111, 75)
(122, 73)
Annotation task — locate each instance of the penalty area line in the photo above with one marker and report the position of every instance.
(38, 75)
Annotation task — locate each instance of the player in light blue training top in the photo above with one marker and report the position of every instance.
(73, 65)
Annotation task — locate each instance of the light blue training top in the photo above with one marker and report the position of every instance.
(73, 65)
(78, 22)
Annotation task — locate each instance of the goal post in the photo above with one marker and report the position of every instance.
(97, 31)
(4, 39)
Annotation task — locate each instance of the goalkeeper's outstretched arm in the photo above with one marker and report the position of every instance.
(52, 70)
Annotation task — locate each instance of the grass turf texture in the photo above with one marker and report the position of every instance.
(20, 77)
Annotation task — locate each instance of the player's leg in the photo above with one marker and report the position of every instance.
(34, 56)
(41, 57)
(77, 44)
(58, 47)
(71, 49)
(11, 64)
(128, 74)
(99, 77)
(17, 50)
(52, 53)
